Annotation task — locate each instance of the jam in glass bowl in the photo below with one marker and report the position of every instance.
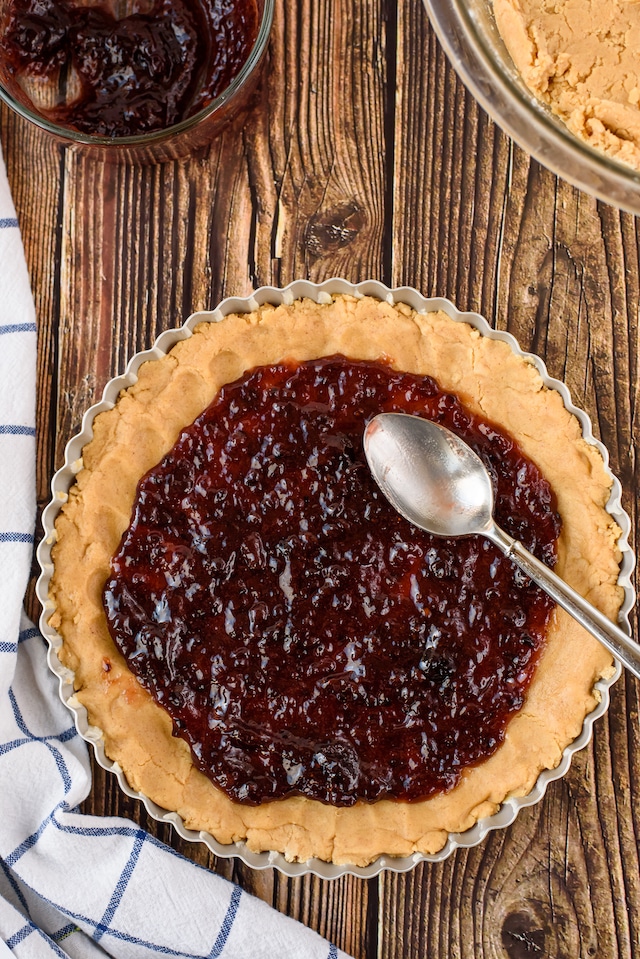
(147, 79)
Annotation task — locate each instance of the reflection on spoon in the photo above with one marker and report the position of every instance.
(436, 481)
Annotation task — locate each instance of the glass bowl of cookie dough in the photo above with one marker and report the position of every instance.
(134, 425)
(570, 100)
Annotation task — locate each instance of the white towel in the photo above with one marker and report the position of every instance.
(70, 884)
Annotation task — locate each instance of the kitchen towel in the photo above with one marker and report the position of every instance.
(72, 884)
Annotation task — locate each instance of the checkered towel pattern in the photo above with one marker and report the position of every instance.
(70, 884)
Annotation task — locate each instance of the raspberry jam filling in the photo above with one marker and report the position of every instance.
(303, 637)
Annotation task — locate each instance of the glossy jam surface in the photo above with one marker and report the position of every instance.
(304, 638)
(148, 70)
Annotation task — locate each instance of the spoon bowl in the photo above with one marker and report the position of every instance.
(436, 481)
(432, 479)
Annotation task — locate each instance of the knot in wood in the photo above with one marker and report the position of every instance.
(330, 230)
(522, 936)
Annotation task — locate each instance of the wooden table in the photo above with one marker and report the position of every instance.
(363, 156)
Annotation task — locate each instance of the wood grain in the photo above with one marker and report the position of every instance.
(363, 156)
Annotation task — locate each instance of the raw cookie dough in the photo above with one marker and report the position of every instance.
(581, 58)
(133, 436)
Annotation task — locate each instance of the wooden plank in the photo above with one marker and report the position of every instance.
(478, 221)
(284, 193)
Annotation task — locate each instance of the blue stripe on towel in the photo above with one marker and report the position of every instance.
(12, 647)
(13, 429)
(15, 887)
(20, 935)
(8, 221)
(18, 328)
(227, 923)
(104, 924)
(65, 932)
(29, 928)
(10, 537)
(28, 843)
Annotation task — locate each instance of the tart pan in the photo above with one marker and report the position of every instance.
(65, 476)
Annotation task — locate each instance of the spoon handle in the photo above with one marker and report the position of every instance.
(610, 635)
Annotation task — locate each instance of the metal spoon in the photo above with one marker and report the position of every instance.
(439, 484)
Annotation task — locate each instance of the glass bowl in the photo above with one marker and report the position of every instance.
(470, 37)
(172, 142)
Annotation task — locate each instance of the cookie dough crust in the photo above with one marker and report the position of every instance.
(581, 58)
(146, 421)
